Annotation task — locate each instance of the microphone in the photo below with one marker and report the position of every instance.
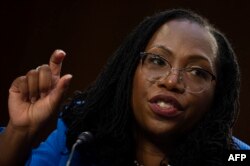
(84, 138)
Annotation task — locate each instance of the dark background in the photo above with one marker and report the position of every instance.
(90, 31)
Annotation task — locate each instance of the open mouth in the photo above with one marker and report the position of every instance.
(165, 106)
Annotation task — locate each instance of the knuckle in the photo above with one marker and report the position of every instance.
(32, 72)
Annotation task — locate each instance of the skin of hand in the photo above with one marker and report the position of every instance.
(34, 98)
(33, 106)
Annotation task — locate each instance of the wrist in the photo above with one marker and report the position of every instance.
(19, 133)
(12, 142)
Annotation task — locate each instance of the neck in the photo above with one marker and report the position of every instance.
(146, 157)
(150, 152)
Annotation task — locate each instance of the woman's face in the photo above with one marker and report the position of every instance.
(164, 107)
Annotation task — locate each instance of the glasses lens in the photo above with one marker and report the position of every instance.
(155, 68)
(196, 79)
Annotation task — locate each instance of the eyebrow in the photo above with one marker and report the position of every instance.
(167, 50)
(192, 57)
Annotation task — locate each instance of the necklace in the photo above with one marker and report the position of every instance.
(138, 164)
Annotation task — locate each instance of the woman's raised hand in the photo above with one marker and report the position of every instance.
(34, 98)
(33, 108)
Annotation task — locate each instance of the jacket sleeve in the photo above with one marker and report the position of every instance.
(53, 151)
(240, 144)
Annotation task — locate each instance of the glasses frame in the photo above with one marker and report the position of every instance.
(144, 54)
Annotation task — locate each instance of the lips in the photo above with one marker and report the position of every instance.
(166, 106)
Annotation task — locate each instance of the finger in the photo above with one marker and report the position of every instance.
(32, 78)
(55, 62)
(61, 87)
(19, 87)
(45, 80)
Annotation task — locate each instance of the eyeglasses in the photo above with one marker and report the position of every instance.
(193, 79)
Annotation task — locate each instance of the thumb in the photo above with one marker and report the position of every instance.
(61, 87)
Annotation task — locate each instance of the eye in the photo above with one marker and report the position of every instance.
(156, 60)
(199, 73)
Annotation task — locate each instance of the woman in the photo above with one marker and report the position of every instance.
(169, 95)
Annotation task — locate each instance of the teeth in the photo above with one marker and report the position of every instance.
(162, 104)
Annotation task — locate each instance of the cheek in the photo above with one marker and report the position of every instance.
(139, 95)
(138, 91)
(205, 101)
(199, 106)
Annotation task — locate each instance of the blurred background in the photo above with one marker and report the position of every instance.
(90, 31)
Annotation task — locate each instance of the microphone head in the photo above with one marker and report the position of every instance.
(85, 137)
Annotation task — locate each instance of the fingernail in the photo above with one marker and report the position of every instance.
(38, 68)
(59, 51)
(33, 100)
(68, 77)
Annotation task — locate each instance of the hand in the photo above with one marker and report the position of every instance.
(34, 98)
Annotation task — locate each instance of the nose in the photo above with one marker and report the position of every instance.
(172, 81)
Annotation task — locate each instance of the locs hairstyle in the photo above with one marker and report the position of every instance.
(104, 108)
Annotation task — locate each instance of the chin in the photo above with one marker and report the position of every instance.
(163, 128)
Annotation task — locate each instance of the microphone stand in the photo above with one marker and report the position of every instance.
(83, 138)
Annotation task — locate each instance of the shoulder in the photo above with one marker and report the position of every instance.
(2, 129)
(53, 150)
(240, 144)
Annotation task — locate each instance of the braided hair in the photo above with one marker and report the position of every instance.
(105, 106)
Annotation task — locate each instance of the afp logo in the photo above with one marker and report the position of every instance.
(237, 158)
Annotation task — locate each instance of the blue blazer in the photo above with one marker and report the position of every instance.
(54, 151)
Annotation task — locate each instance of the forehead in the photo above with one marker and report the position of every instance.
(185, 37)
